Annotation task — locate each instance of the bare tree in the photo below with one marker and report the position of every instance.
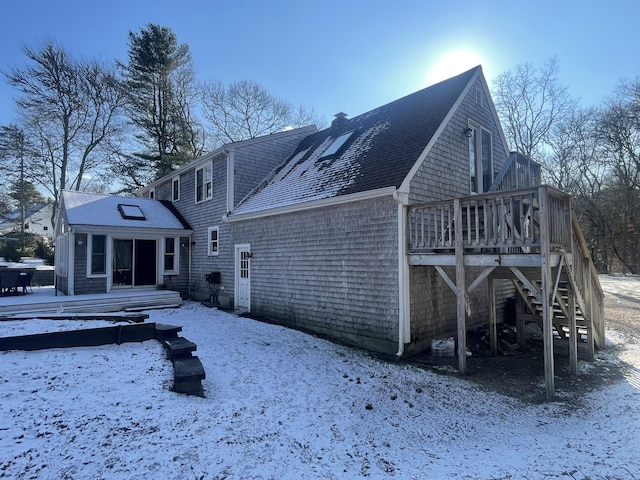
(530, 101)
(244, 110)
(618, 136)
(69, 110)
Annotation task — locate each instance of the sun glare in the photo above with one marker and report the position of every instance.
(452, 63)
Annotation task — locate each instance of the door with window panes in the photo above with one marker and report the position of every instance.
(243, 276)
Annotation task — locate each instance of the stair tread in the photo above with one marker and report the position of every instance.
(187, 369)
(179, 346)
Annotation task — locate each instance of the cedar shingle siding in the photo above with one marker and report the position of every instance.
(252, 161)
(331, 270)
(445, 174)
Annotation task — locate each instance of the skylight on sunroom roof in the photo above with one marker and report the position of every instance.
(131, 212)
(337, 144)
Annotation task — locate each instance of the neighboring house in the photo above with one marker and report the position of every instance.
(108, 242)
(37, 221)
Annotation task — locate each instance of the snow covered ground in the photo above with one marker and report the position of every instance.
(281, 404)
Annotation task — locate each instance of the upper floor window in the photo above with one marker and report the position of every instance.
(204, 183)
(175, 189)
(480, 159)
(152, 193)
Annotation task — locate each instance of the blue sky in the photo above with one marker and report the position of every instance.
(348, 56)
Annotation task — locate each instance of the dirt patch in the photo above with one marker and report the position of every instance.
(520, 374)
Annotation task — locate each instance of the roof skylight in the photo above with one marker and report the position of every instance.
(337, 144)
(131, 212)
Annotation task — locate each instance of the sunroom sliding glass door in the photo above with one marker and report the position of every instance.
(122, 263)
(134, 262)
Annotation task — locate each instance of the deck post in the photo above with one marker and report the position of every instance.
(493, 323)
(462, 291)
(547, 305)
(573, 332)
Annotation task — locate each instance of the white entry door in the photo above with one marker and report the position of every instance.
(243, 277)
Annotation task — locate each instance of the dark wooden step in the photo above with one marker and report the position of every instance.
(165, 332)
(192, 387)
(179, 347)
(188, 369)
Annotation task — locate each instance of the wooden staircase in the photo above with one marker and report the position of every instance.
(529, 309)
(528, 235)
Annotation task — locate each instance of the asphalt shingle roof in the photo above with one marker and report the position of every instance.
(387, 142)
(102, 210)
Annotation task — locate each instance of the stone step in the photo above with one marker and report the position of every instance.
(179, 347)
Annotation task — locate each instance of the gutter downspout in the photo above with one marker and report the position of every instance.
(71, 264)
(189, 278)
(230, 178)
(404, 331)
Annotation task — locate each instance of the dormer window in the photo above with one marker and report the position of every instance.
(131, 212)
(337, 144)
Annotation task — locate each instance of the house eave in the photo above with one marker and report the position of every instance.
(140, 231)
(298, 207)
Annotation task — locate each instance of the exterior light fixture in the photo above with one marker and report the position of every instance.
(468, 132)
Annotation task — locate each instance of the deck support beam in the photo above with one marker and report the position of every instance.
(547, 302)
(462, 293)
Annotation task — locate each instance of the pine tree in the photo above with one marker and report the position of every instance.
(161, 86)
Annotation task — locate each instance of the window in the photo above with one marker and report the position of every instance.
(62, 244)
(152, 193)
(98, 249)
(480, 160)
(170, 255)
(175, 189)
(213, 241)
(45, 228)
(337, 144)
(130, 212)
(204, 190)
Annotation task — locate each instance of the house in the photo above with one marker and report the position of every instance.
(388, 229)
(37, 220)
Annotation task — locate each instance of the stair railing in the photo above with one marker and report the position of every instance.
(585, 281)
(518, 171)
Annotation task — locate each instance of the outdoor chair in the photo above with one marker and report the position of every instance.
(24, 281)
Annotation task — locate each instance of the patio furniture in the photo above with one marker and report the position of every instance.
(9, 281)
(24, 280)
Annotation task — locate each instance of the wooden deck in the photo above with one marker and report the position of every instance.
(529, 236)
(43, 300)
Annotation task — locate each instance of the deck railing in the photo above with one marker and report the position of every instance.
(507, 222)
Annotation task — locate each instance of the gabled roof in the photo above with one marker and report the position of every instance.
(197, 162)
(385, 145)
(92, 209)
(14, 215)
